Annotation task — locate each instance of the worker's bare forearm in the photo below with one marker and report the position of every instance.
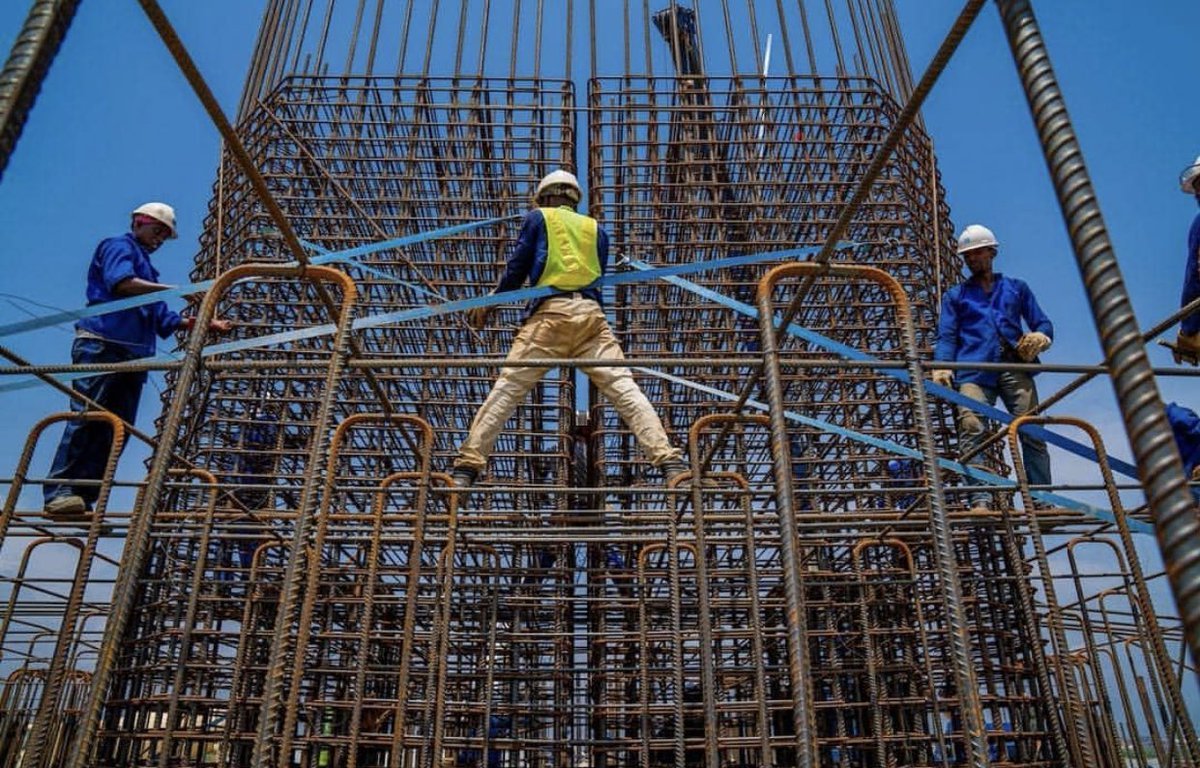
(136, 286)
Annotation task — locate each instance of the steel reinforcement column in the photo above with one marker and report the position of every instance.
(1177, 524)
(27, 65)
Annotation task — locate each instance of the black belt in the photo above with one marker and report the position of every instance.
(572, 295)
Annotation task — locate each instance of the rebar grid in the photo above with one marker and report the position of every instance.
(293, 604)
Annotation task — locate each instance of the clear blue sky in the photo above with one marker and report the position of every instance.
(116, 125)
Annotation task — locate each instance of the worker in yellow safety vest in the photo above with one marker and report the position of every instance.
(567, 251)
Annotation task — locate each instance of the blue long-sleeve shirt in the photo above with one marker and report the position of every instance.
(985, 327)
(1185, 426)
(117, 259)
(528, 260)
(1191, 279)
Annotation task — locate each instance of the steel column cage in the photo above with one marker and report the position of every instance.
(307, 589)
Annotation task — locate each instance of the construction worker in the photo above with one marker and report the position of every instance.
(120, 268)
(981, 322)
(1187, 342)
(1185, 427)
(568, 251)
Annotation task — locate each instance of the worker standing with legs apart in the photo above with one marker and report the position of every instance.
(981, 322)
(568, 251)
(120, 269)
(1187, 342)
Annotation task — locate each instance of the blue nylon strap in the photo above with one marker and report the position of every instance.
(327, 257)
(945, 393)
(490, 300)
(341, 258)
(1098, 513)
(640, 272)
(432, 310)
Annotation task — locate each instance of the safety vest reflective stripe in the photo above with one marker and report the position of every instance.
(572, 256)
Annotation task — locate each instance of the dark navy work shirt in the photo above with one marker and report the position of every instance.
(1191, 279)
(978, 326)
(1185, 426)
(528, 259)
(117, 259)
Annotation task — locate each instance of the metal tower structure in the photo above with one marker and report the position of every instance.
(300, 587)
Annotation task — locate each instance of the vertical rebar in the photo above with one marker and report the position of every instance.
(41, 750)
(797, 613)
(1159, 466)
(27, 65)
(960, 644)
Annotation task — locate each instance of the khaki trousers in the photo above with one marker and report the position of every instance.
(562, 328)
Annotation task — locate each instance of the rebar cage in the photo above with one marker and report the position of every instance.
(310, 591)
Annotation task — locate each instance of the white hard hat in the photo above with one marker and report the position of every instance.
(976, 236)
(160, 212)
(560, 181)
(1187, 179)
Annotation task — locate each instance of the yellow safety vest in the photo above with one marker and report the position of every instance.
(572, 255)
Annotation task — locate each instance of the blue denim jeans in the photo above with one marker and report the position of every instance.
(85, 445)
(1016, 389)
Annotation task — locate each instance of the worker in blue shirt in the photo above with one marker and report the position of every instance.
(120, 269)
(567, 251)
(1185, 427)
(981, 322)
(1187, 342)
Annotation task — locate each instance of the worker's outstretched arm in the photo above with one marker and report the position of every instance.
(136, 286)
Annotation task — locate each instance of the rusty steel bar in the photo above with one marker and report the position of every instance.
(798, 657)
(313, 564)
(38, 752)
(264, 748)
(185, 642)
(27, 65)
(1177, 523)
(1072, 750)
(139, 533)
(441, 626)
(1149, 618)
(832, 238)
(939, 522)
(708, 679)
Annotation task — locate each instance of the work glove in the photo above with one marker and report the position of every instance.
(943, 377)
(1187, 348)
(478, 317)
(1031, 345)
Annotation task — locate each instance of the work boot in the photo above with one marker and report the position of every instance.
(62, 506)
(672, 468)
(464, 477)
